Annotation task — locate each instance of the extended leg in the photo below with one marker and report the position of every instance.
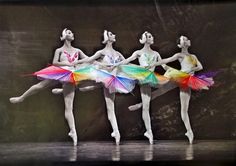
(32, 90)
(160, 91)
(69, 93)
(146, 97)
(184, 101)
(109, 98)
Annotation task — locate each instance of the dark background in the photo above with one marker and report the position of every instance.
(29, 34)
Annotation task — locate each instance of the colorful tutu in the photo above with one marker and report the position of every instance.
(65, 74)
(195, 82)
(143, 75)
(114, 81)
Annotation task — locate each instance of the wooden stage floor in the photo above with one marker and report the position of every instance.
(168, 152)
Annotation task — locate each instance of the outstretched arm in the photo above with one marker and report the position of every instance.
(165, 67)
(82, 54)
(87, 59)
(120, 55)
(167, 60)
(131, 58)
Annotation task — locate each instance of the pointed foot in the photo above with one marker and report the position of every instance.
(116, 135)
(190, 136)
(57, 91)
(135, 107)
(15, 100)
(149, 135)
(73, 135)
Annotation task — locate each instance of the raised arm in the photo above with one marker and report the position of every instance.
(56, 59)
(131, 58)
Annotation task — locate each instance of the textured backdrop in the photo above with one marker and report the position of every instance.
(29, 34)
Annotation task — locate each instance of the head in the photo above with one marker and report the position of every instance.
(67, 35)
(183, 41)
(147, 38)
(108, 36)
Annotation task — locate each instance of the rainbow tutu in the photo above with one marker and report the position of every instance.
(66, 74)
(143, 75)
(195, 82)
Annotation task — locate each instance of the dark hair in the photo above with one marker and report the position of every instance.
(178, 41)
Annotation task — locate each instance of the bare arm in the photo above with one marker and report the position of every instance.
(131, 58)
(90, 59)
(198, 66)
(159, 59)
(167, 60)
(82, 54)
(120, 55)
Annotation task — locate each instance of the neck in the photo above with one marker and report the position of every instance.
(146, 47)
(184, 50)
(67, 44)
(109, 45)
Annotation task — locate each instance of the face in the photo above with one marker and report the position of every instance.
(150, 38)
(184, 42)
(69, 35)
(111, 37)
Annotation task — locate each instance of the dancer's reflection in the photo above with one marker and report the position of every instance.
(115, 153)
(148, 152)
(189, 154)
(72, 153)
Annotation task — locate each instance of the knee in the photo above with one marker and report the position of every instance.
(110, 115)
(68, 108)
(145, 113)
(68, 114)
(146, 106)
(184, 116)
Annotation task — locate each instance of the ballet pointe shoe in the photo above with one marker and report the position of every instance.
(149, 135)
(73, 135)
(190, 136)
(116, 135)
(135, 107)
(15, 100)
(57, 91)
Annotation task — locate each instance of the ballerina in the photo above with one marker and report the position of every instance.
(66, 57)
(110, 57)
(185, 79)
(147, 58)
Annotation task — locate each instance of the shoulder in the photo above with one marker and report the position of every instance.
(117, 52)
(137, 53)
(58, 50)
(179, 55)
(78, 50)
(193, 55)
(100, 53)
(156, 53)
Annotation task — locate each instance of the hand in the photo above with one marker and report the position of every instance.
(149, 67)
(68, 64)
(117, 64)
(75, 63)
(112, 67)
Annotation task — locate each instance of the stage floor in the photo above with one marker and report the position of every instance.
(204, 151)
